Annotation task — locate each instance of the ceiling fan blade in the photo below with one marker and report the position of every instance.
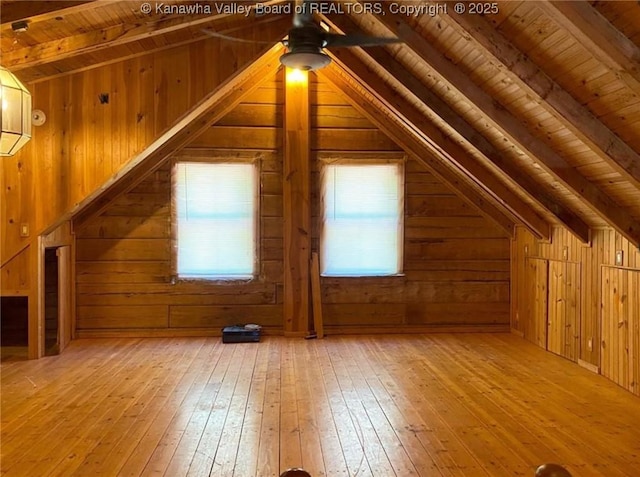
(215, 34)
(302, 15)
(355, 39)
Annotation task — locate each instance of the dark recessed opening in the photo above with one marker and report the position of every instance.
(50, 302)
(14, 335)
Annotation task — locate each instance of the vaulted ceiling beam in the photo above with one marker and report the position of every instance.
(197, 120)
(440, 108)
(515, 131)
(122, 34)
(448, 148)
(523, 181)
(37, 11)
(549, 94)
(599, 36)
(389, 121)
(270, 26)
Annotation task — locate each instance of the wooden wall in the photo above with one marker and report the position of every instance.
(605, 332)
(85, 140)
(456, 270)
(456, 262)
(620, 360)
(14, 275)
(124, 268)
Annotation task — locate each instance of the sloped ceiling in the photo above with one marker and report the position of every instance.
(533, 108)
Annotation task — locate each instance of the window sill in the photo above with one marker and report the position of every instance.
(395, 275)
(213, 280)
(397, 280)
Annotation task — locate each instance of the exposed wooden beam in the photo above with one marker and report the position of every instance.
(121, 34)
(515, 131)
(213, 107)
(393, 124)
(296, 200)
(600, 37)
(441, 109)
(36, 11)
(447, 148)
(523, 181)
(275, 27)
(550, 95)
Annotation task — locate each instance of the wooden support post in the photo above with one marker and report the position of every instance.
(64, 296)
(36, 300)
(296, 202)
(316, 294)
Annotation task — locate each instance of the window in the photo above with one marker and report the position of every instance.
(215, 217)
(362, 220)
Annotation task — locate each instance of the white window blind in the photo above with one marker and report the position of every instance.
(215, 219)
(362, 220)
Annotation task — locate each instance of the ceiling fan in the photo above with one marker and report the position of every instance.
(307, 40)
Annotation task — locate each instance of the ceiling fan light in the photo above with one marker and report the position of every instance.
(305, 60)
(295, 76)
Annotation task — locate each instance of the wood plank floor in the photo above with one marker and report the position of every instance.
(429, 405)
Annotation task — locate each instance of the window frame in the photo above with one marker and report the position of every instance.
(214, 157)
(356, 159)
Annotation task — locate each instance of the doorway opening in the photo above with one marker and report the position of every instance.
(51, 303)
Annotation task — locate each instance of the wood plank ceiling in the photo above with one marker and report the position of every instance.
(531, 110)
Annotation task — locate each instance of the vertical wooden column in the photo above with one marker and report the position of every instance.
(36, 299)
(64, 296)
(296, 203)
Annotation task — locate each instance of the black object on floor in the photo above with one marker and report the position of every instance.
(240, 334)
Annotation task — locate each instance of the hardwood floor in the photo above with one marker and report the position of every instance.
(13, 353)
(451, 405)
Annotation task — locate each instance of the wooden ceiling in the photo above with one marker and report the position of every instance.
(531, 110)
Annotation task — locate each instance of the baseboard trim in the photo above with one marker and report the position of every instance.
(296, 334)
(517, 333)
(587, 365)
(267, 331)
(161, 333)
(411, 329)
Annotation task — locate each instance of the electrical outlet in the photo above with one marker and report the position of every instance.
(565, 253)
(24, 230)
(590, 344)
(619, 257)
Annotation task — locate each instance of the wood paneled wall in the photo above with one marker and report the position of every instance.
(621, 327)
(456, 262)
(14, 275)
(124, 272)
(455, 268)
(124, 257)
(96, 121)
(607, 325)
